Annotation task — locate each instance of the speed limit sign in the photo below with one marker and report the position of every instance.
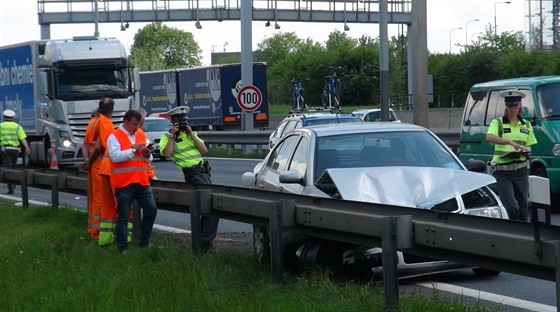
(249, 98)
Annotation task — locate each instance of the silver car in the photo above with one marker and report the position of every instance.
(389, 163)
(155, 127)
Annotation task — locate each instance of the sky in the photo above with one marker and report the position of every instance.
(18, 23)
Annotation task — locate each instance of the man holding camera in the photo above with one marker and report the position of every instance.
(185, 149)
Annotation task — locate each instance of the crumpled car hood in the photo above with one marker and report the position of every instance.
(420, 187)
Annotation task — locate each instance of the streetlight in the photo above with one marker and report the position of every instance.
(476, 34)
(452, 29)
(466, 27)
(495, 24)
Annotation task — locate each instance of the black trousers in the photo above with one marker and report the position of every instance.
(9, 158)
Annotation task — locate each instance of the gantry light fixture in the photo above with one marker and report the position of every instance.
(267, 24)
(198, 25)
(276, 26)
(346, 28)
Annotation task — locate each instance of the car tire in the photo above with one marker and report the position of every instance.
(261, 245)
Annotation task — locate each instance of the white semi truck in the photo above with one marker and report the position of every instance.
(55, 85)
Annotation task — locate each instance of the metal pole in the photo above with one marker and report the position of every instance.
(96, 19)
(383, 60)
(466, 29)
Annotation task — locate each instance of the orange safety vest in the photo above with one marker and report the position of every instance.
(130, 171)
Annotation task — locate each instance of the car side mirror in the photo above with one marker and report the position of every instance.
(476, 165)
(291, 176)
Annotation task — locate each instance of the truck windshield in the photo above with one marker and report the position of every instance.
(92, 83)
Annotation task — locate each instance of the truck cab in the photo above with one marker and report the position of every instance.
(73, 76)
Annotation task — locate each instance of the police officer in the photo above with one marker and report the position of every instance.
(185, 149)
(12, 136)
(511, 136)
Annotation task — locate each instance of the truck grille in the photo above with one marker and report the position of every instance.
(79, 122)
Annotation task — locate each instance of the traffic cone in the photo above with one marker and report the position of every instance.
(54, 162)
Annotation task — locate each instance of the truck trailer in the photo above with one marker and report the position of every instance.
(54, 86)
(210, 92)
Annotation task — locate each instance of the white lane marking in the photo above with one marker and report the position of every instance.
(482, 295)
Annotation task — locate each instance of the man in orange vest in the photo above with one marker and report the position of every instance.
(104, 190)
(129, 177)
(91, 141)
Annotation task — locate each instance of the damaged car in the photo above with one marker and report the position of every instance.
(388, 163)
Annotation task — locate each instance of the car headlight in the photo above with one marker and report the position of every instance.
(491, 212)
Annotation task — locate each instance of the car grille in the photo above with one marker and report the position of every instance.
(450, 205)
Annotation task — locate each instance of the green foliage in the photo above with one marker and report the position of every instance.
(49, 264)
(157, 46)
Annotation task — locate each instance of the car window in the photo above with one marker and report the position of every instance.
(280, 155)
(280, 129)
(373, 116)
(153, 125)
(299, 161)
(291, 125)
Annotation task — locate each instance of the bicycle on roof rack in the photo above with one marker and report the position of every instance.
(298, 99)
(330, 96)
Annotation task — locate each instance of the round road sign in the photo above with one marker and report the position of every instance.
(249, 98)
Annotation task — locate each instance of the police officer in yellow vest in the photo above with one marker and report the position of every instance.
(12, 136)
(185, 149)
(512, 137)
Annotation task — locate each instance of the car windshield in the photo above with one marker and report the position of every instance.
(152, 125)
(411, 148)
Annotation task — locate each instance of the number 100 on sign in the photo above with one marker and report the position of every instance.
(249, 98)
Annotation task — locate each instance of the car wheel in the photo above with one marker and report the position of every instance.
(485, 272)
(261, 244)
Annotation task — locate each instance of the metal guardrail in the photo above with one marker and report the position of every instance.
(496, 244)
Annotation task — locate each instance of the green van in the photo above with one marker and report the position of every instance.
(541, 106)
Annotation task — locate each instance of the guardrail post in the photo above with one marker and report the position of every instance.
(200, 202)
(276, 248)
(389, 258)
(281, 215)
(24, 190)
(54, 193)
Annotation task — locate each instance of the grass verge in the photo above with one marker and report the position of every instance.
(49, 264)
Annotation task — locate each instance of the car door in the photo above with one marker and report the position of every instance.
(277, 163)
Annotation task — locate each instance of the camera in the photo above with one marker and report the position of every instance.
(183, 122)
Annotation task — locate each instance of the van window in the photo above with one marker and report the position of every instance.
(496, 106)
(475, 108)
(547, 97)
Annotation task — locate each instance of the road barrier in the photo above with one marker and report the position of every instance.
(529, 249)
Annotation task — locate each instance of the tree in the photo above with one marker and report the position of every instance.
(157, 45)
(274, 49)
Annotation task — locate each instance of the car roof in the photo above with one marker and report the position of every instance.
(155, 118)
(516, 82)
(345, 128)
(320, 116)
(368, 110)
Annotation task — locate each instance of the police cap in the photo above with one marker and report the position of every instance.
(512, 97)
(179, 112)
(9, 113)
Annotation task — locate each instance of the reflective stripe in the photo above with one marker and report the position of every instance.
(132, 169)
